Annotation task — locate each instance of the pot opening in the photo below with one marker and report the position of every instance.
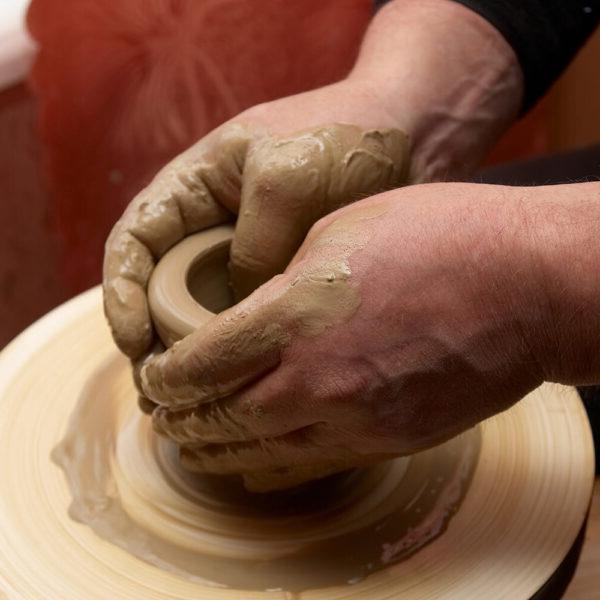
(208, 279)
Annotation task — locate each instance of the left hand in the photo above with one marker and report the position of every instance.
(403, 320)
(277, 166)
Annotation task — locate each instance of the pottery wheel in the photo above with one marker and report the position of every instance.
(508, 498)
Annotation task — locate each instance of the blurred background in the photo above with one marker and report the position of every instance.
(95, 95)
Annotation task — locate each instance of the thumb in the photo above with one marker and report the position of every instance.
(291, 182)
(284, 190)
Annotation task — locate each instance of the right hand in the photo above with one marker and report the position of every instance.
(403, 320)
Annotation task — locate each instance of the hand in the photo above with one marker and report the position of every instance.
(403, 320)
(278, 185)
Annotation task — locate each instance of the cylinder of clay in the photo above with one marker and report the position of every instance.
(190, 284)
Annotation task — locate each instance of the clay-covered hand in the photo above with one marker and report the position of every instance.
(278, 168)
(403, 319)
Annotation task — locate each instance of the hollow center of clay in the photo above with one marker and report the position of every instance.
(207, 279)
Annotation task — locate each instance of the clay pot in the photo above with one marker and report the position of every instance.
(190, 284)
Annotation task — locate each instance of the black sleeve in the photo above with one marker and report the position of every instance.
(545, 35)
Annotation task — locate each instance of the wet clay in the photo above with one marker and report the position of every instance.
(191, 282)
(192, 193)
(127, 485)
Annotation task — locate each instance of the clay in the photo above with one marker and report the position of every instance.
(128, 486)
(192, 277)
(191, 284)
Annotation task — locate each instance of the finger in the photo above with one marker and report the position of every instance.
(146, 405)
(289, 183)
(271, 407)
(230, 351)
(188, 195)
(312, 445)
(137, 365)
(284, 187)
(126, 310)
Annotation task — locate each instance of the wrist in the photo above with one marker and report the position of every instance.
(447, 76)
(563, 233)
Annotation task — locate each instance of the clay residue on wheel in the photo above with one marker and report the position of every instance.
(127, 485)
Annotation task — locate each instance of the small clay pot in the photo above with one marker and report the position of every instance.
(190, 284)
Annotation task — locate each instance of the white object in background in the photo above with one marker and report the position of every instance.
(16, 47)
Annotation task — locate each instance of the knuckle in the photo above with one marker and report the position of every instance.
(285, 165)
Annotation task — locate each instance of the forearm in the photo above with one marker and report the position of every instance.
(563, 225)
(447, 77)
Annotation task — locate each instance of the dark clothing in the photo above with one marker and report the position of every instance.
(545, 35)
